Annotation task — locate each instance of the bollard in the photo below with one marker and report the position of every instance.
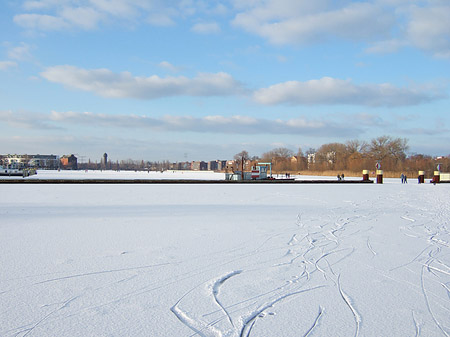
(421, 177)
(436, 177)
(365, 175)
(379, 176)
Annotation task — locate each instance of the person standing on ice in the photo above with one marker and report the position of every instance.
(406, 179)
(402, 177)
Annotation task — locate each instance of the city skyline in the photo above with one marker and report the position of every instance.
(193, 80)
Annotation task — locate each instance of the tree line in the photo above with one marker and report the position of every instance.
(354, 156)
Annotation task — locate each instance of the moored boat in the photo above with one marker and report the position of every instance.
(13, 170)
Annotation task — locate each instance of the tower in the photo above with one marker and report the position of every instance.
(105, 159)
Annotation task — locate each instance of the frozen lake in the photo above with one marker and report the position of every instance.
(225, 260)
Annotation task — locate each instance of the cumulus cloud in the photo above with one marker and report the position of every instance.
(26, 120)
(41, 4)
(121, 8)
(329, 90)
(106, 83)
(302, 21)
(206, 28)
(161, 20)
(86, 18)
(40, 21)
(48, 15)
(425, 26)
(21, 52)
(7, 64)
(169, 66)
(387, 46)
(429, 29)
(51, 15)
(387, 25)
(324, 91)
(83, 17)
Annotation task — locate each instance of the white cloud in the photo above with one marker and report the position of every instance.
(161, 20)
(387, 25)
(26, 120)
(82, 17)
(41, 22)
(324, 91)
(429, 29)
(106, 83)
(67, 17)
(238, 125)
(7, 64)
(48, 15)
(329, 90)
(420, 24)
(168, 66)
(121, 8)
(42, 4)
(21, 52)
(206, 28)
(208, 124)
(387, 46)
(300, 21)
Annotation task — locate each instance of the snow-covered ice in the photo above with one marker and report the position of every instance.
(128, 175)
(225, 260)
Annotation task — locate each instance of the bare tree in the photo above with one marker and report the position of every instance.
(390, 151)
(279, 157)
(240, 159)
(356, 146)
(302, 162)
(332, 155)
(386, 146)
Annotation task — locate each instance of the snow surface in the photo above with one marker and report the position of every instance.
(225, 260)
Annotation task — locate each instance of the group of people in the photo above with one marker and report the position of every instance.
(404, 178)
(340, 176)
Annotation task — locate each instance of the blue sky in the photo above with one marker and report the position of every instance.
(202, 80)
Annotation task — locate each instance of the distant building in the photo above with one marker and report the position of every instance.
(311, 159)
(331, 157)
(69, 162)
(105, 160)
(222, 165)
(44, 161)
(199, 166)
(213, 165)
(20, 160)
(217, 165)
(230, 165)
(38, 161)
(184, 165)
(180, 166)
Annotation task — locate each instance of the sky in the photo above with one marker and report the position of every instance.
(184, 80)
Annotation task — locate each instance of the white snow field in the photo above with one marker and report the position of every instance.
(225, 260)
